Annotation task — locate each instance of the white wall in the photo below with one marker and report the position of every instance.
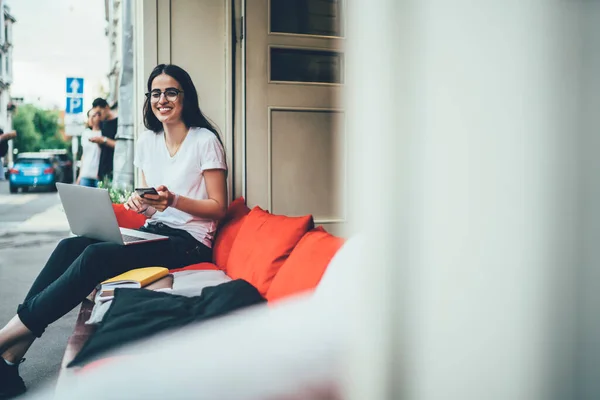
(193, 34)
(198, 45)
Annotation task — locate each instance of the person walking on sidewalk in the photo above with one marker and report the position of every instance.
(182, 156)
(90, 157)
(4, 138)
(108, 125)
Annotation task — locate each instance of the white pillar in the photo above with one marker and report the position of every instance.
(587, 355)
(464, 128)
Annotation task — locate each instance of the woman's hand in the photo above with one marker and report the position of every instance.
(162, 200)
(135, 203)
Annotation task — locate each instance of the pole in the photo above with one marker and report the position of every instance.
(74, 150)
(123, 158)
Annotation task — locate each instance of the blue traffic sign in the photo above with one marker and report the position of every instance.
(75, 86)
(74, 105)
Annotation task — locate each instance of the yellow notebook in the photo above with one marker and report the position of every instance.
(136, 278)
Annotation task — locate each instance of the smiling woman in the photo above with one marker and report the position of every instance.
(182, 151)
(182, 157)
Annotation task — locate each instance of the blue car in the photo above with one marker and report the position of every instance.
(32, 170)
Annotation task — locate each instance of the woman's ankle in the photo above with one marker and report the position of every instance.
(15, 353)
(12, 363)
(15, 340)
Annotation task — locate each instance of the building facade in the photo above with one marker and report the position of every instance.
(270, 74)
(113, 33)
(6, 71)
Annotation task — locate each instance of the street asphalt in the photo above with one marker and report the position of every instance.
(30, 228)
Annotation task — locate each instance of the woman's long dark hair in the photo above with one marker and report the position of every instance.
(191, 114)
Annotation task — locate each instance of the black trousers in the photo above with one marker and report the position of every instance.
(79, 264)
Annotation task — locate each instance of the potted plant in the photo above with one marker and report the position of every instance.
(118, 195)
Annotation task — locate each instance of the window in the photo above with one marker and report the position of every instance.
(298, 65)
(307, 17)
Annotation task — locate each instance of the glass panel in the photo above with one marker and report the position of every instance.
(294, 65)
(308, 17)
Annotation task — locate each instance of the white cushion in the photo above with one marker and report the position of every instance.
(341, 278)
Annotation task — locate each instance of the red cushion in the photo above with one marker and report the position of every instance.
(197, 267)
(305, 266)
(127, 218)
(228, 230)
(262, 245)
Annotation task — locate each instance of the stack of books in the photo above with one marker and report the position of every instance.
(136, 278)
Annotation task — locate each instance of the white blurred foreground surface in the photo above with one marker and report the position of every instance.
(476, 158)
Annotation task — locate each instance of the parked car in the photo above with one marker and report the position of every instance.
(65, 163)
(32, 170)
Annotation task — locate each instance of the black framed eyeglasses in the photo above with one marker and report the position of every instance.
(171, 94)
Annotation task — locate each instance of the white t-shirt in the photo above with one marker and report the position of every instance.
(181, 174)
(91, 154)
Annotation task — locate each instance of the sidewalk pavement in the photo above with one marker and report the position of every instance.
(22, 256)
(24, 248)
(51, 220)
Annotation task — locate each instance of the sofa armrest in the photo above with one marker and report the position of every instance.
(205, 266)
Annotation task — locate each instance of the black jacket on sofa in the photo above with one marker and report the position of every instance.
(136, 314)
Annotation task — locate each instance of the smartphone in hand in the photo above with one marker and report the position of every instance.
(144, 191)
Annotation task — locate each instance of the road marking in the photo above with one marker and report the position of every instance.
(17, 199)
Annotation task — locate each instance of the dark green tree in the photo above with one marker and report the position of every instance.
(37, 129)
(28, 139)
(46, 123)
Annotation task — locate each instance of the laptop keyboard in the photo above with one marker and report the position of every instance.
(128, 238)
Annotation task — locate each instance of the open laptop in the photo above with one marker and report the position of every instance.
(90, 214)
